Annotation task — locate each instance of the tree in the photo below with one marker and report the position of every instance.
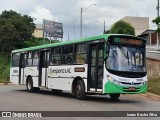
(157, 21)
(122, 27)
(15, 29)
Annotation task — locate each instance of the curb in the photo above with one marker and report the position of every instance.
(151, 95)
(7, 84)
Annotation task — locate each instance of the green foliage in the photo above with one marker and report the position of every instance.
(157, 21)
(122, 27)
(38, 41)
(15, 29)
(4, 68)
(15, 33)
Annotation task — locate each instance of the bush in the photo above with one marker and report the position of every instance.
(4, 68)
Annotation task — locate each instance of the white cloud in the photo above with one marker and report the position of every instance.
(41, 13)
(68, 12)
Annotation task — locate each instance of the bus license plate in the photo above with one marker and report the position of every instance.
(131, 88)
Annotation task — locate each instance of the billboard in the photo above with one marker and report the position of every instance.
(52, 29)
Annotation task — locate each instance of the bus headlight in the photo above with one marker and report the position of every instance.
(113, 80)
(109, 78)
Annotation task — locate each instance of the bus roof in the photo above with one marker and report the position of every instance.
(104, 36)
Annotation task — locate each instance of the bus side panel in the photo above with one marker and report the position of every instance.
(44, 72)
(61, 77)
(33, 72)
(14, 75)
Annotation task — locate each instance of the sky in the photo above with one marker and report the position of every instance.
(68, 13)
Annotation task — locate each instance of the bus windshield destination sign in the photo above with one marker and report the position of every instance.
(128, 41)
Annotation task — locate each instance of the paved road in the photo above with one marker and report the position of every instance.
(16, 98)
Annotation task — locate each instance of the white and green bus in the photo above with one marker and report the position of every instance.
(111, 64)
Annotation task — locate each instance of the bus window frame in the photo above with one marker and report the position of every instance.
(33, 53)
(50, 56)
(67, 55)
(27, 65)
(16, 60)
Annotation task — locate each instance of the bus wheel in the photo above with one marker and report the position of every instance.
(80, 90)
(29, 85)
(114, 96)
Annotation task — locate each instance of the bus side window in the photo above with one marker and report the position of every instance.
(67, 54)
(35, 58)
(29, 59)
(81, 54)
(15, 60)
(55, 56)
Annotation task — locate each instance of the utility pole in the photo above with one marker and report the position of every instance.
(81, 19)
(158, 9)
(81, 23)
(74, 31)
(68, 36)
(158, 25)
(104, 27)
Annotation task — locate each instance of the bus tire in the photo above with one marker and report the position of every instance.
(80, 90)
(29, 85)
(114, 96)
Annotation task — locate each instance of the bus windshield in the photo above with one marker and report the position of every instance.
(126, 58)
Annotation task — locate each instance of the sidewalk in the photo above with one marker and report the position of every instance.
(151, 95)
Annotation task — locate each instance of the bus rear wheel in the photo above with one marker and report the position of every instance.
(29, 85)
(80, 90)
(114, 96)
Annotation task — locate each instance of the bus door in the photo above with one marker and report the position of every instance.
(95, 65)
(43, 65)
(21, 68)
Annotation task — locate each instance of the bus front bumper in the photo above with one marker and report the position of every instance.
(113, 88)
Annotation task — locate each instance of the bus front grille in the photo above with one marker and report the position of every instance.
(127, 83)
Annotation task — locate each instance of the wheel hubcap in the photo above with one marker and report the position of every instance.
(78, 89)
(29, 85)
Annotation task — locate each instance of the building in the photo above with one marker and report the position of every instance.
(139, 23)
(38, 32)
(150, 36)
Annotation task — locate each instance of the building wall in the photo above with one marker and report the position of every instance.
(38, 32)
(139, 23)
(154, 38)
(147, 38)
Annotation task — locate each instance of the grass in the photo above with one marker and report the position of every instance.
(153, 73)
